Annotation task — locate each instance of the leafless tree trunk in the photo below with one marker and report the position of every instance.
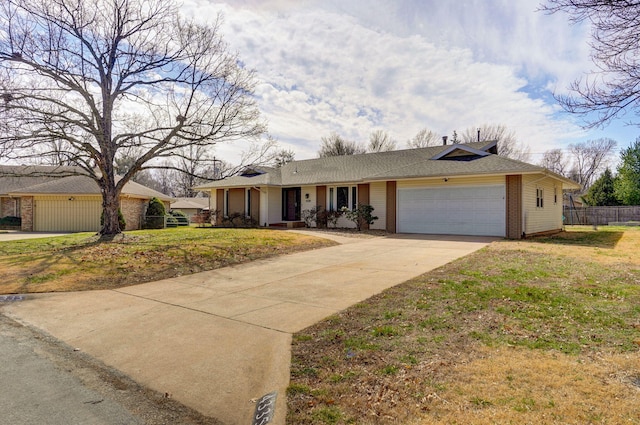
(106, 76)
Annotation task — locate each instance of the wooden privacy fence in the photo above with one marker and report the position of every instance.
(600, 215)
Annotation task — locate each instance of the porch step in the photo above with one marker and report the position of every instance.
(288, 224)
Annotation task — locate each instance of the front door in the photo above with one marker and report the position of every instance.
(291, 204)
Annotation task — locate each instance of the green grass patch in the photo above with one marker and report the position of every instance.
(295, 389)
(82, 261)
(385, 331)
(360, 343)
(328, 415)
(390, 370)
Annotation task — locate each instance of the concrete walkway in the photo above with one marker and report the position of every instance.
(217, 340)
(15, 235)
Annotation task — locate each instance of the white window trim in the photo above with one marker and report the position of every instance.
(332, 196)
(540, 197)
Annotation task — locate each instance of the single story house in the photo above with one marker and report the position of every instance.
(65, 203)
(190, 206)
(459, 189)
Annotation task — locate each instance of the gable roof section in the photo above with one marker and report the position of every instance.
(392, 165)
(136, 190)
(16, 177)
(457, 151)
(33, 180)
(190, 203)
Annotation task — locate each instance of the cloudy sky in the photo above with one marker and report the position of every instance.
(355, 66)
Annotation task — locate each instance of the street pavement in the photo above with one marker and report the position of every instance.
(35, 390)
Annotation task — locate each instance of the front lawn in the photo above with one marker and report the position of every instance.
(78, 262)
(543, 331)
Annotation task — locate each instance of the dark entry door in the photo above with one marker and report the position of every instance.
(291, 204)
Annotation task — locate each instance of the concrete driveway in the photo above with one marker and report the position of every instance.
(216, 341)
(14, 235)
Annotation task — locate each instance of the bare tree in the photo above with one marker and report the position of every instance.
(283, 157)
(380, 141)
(508, 144)
(165, 180)
(195, 164)
(611, 90)
(192, 162)
(56, 153)
(424, 138)
(555, 161)
(109, 75)
(335, 145)
(126, 160)
(589, 159)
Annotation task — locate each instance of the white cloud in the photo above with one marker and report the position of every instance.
(352, 67)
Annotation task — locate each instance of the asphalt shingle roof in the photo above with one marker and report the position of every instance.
(192, 203)
(16, 177)
(37, 180)
(409, 163)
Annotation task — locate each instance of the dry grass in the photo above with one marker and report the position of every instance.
(79, 262)
(514, 385)
(545, 331)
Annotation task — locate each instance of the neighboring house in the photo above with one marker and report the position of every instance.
(451, 189)
(190, 206)
(65, 203)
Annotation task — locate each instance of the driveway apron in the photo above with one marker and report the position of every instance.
(217, 341)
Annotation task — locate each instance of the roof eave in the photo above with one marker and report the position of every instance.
(235, 186)
(571, 185)
(472, 174)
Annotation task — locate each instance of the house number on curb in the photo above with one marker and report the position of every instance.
(265, 408)
(10, 298)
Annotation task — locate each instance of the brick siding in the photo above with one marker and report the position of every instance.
(132, 210)
(26, 207)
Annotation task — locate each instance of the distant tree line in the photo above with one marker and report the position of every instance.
(623, 188)
(381, 141)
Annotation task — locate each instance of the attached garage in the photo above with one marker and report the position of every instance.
(454, 210)
(67, 213)
(50, 202)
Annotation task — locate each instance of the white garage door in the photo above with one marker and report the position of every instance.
(468, 210)
(67, 214)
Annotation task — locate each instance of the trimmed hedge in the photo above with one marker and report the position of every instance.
(155, 214)
(180, 217)
(11, 221)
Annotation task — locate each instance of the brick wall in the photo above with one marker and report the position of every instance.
(132, 210)
(26, 212)
(514, 206)
(7, 206)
